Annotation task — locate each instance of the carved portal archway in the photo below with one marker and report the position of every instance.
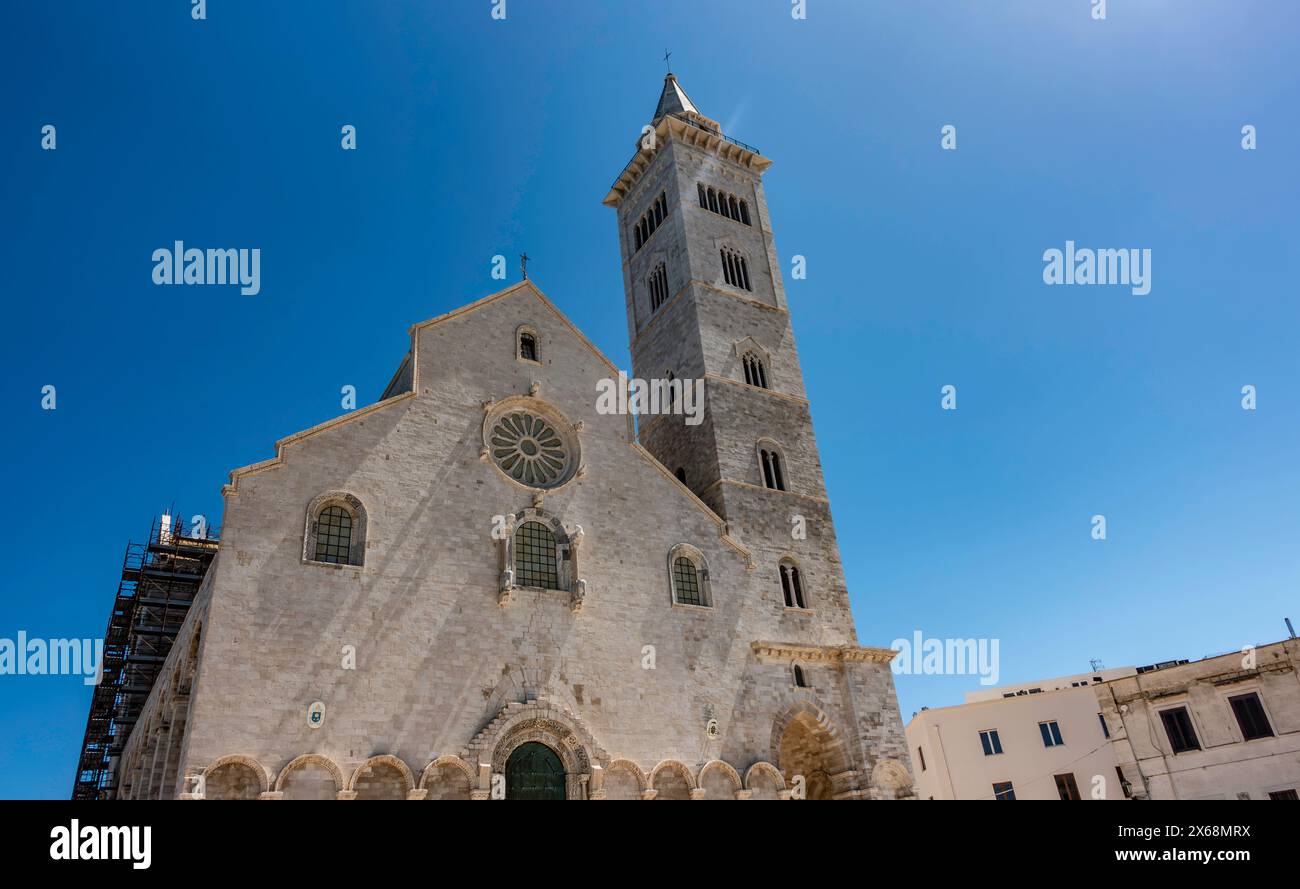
(543, 723)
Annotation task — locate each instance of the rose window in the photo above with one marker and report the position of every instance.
(529, 450)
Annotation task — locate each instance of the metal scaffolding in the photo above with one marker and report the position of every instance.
(159, 581)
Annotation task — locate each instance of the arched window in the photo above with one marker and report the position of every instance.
(657, 284)
(792, 585)
(799, 680)
(686, 581)
(336, 530)
(755, 373)
(333, 535)
(724, 204)
(735, 271)
(535, 563)
(650, 220)
(527, 347)
(770, 463)
(688, 576)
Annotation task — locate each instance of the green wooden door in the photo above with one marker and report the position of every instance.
(533, 771)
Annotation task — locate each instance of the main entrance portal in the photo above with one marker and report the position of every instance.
(534, 771)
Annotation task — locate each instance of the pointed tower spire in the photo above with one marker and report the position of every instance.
(673, 100)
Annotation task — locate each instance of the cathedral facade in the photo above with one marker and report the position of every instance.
(488, 585)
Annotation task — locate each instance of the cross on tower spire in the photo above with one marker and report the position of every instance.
(523, 264)
(667, 55)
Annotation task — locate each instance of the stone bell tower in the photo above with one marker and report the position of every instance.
(705, 300)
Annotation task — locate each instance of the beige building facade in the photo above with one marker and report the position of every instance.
(487, 585)
(1225, 727)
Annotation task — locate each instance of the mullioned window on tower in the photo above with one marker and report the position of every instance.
(649, 221)
(723, 204)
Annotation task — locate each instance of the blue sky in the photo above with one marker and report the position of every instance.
(478, 137)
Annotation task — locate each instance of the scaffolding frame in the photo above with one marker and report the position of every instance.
(159, 581)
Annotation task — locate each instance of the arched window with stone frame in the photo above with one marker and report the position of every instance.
(537, 559)
(539, 552)
(771, 465)
(688, 577)
(755, 370)
(792, 585)
(336, 530)
(800, 676)
(657, 284)
(735, 269)
(528, 345)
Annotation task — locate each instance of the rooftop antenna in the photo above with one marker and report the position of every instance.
(1096, 664)
(1290, 629)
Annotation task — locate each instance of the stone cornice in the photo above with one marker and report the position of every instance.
(714, 143)
(790, 651)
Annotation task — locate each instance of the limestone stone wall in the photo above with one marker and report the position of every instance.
(436, 657)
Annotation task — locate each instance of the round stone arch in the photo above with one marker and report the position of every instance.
(680, 769)
(619, 767)
(387, 759)
(806, 741)
(890, 779)
(765, 771)
(259, 773)
(541, 723)
(307, 759)
(352, 505)
(727, 771)
(458, 766)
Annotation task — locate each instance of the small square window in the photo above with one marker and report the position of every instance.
(1004, 790)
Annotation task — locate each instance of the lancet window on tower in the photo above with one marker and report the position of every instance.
(649, 221)
(771, 465)
(658, 285)
(792, 585)
(755, 372)
(723, 204)
(735, 270)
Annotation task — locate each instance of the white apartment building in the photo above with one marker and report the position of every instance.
(1036, 740)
